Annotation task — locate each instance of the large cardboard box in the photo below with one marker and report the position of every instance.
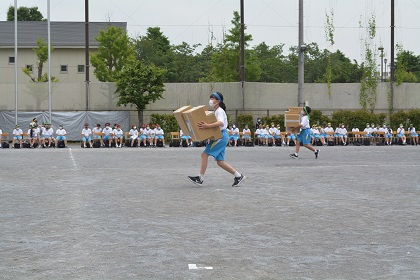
(198, 114)
(181, 120)
(292, 117)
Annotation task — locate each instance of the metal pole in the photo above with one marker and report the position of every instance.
(382, 62)
(243, 54)
(301, 48)
(49, 61)
(16, 67)
(87, 52)
(392, 55)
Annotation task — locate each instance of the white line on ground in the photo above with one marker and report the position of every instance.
(194, 266)
(72, 158)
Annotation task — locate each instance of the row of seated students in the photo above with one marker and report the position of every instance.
(327, 135)
(115, 136)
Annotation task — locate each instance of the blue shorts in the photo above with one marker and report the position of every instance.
(317, 136)
(369, 135)
(291, 137)
(17, 137)
(415, 134)
(246, 136)
(304, 136)
(143, 136)
(183, 137)
(277, 136)
(343, 135)
(86, 138)
(388, 135)
(260, 136)
(159, 136)
(106, 137)
(400, 135)
(336, 135)
(217, 148)
(324, 135)
(234, 137)
(268, 136)
(61, 138)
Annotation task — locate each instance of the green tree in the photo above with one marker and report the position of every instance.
(226, 62)
(24, 14)
(114, 50)
(139, 84)
(407, 67)
(42, 54)
(271, 62)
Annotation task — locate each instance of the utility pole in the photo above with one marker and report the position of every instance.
(392, 55)
(87, 53)
(301, 48)
(381, 49)
(242, 54)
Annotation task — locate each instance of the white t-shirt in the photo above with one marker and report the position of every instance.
(315, 130)
(246, 130)
(400, 130)
(107, 131)
(368, 130)
(355, 130)
(304, 122)
(118, 133)
(221, 116)
(147, 132)
(61, 132)
(277, 131)
(272, 130)
(96, 129)
(37, 130)
(17, 132)
(258, 131)
(412, 130)
(235, 131)
(1, 131)
(329, 129)
(134, 132)
(86, 132)
(343, 131)
(43, 130)
(159, 131)
(48, 132)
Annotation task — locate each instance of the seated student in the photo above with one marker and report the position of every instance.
(61, 135)
(118, 135)
(401, 134)
(153, 135)
(328, 130)
(234, 135)
(355, 135)
(369, 133)
(414, 135)
(32, 135)
(259, 134)
(316, 135)
(246, 135)
(322, 134)
(388, 135)
(268, 138)
(337, 134)
(343, 134)
(87, 136)
(380, 131)
(107, 133)
(146, 136)
(17, 136)
(290, 136)
(272, 134)
(1, 132)
(134, 135)
(185, 138)
(37, 130)
(159, 135)
(278, 136)
(96, 133)
(47, 135)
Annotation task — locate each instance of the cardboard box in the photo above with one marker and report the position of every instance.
(181, 120)
(292, 117)
(198, 114)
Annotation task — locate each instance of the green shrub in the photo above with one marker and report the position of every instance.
(318, 118)
(399, 117)
(167, 122)
(244, 119)
(275, 119)
(357, 118)
(414, 117)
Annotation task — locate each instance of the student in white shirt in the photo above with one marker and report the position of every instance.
(17, 136)
(118, 134)
(388, 135)
(278, 136)
(246, 135)
(234, 135)
(97, 134)
(414, 135)
(259, 133)
(87, 136)
(303, 136)
(47, 135)
(185, 138)
(61, 135)
(134, 135)
(32, 136)
(217, 148)
(159, 135)
(1, 132)
(343, 134)
(328, 130)
(107, 133)
(147, 136)
(272, 134)
(316, 134)
(401, 134)
(355, 133)
(369, 133)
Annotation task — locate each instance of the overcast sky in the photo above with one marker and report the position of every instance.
(271, 21)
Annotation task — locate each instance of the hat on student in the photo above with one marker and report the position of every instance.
(86, 124)
(329, 123)
(411, 124)
(401, 124)
(107, 124)
(98, 124)
(17, 126)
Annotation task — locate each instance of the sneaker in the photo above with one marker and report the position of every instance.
(84, 146)
(316, 154)
(196, 180)
(293, 156)
(238, 180)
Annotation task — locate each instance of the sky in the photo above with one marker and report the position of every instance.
(274, 22)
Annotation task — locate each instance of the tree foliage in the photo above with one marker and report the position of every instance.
(24, 14)
(114, 50)
(139, 84)
(42, 54)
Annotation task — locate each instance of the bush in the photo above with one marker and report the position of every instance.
(244, 119)
(357, 118)
(414, 117)
(167, 122)
(399, 117)
(318, 118)
(275, 119)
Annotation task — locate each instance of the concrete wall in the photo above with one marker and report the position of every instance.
(260, 99)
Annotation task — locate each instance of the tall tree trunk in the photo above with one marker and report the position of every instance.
(40, 66)
(140, 117)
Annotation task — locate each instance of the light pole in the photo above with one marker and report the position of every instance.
(382, 62)
(385, 61)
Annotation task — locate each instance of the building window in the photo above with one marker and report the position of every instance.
(80, 69)
(11, 60)
(30, 68)
(63, 69)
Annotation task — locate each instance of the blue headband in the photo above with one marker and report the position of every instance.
(217, 96)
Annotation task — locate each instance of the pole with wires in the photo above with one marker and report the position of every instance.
(49, 62)
(16, 67)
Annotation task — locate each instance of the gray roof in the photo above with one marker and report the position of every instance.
(63, 34)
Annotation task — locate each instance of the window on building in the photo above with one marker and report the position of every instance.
(63, 69)
(30, 68)
(80, 69)
(11, 60)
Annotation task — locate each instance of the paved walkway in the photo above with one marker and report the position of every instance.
(131, 213)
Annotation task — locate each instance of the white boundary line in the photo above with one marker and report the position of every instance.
(72, 158)
(194, 266)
